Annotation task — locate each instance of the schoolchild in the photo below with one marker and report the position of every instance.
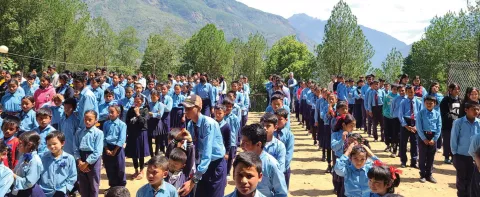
(115, 132)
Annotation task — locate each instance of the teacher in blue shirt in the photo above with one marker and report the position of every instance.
(211, 174)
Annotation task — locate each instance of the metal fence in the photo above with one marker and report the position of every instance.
(466, 74)
(258, 102)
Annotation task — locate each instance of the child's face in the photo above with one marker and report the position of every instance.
(9, 130)
(177, 89)
(472, 112)
(228, 109)
(455, 91)
(155, 175)
(394, 90)
(175, 166)
(109, 98)
(281, 122)
(151, 85)
(54, 145)
(94, 84)
(68, 109)
(219, 114)
(473, 95)
(231, 96)
(378, 187)
(277, 104)
(416, 82)
(386, 87)
(116, 80)
(154, 97)
(343, 110)
(129, 93)
(410, 93)
(429, 105)
(30, 80)
(12, 88)
(24, 147)
(138, 102)
(26, 105)
(58, 102)
(44, 83)
(90, 120)
(138, 89)
(164, 90)
(332, 99)
(359, 159)
(234, 86)
(43, 120)
(435, 88)
(375, 86)
(269, 127)
(349, 127)
(401, 91)
(113, 113)
(247, 145)
(246, 178)
(129, 80)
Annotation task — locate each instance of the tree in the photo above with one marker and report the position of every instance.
(392, 66)
(239, 50)
(127, 51)
(344, 50)
(254, 53)
(104, 42)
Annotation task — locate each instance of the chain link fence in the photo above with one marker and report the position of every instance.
(465, 74)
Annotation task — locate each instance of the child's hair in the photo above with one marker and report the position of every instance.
(108, 92)
(471, 104)
(409, 87)
(30, 137)
(30, 98)
(233, 93)
(269, 118)
(11, 120)
(452, 86)
(129, 88)
(341, 105)
(155, 92)
(358, 149)
(118, 191)
(64, 77)
(220, 107)
(384, 173)
(282, 113)
(228, 101)
(360, 139)
(174, 133)
(347, 119)
(468, 91)
(117, 108)
(45, 78)
(56, 134)
(177, 85)
(91, 112)
(159, 161)
(430, 98)
(431, 86)
(179, 155)
(58, 96)
(249, 159)
(44, 111)
(255, 133)
(31, 76)
(70, 101)
(276, 97)
(13, 81)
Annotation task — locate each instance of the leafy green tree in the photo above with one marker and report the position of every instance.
(254, 53)
(127, 51)
(392, 66)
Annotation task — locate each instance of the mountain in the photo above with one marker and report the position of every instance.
(382, 43)
(186, 17)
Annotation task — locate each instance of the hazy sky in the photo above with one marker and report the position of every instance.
(403, 19)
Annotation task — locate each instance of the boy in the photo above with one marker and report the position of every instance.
(285, 135)
(464, 142)
(407, 114)
(30, 86)
(57, 110)
(229, 126)
(237, 110)
(276, 103)
(103, 108)
(117, 89)
(60, 170)
(247, 174)
(156, 172)
(429, 127)
(342, 91)
(273, 146)
(10, 127)
(394, 113)
(254, 138)
(365, 92)
(181, 161)
(44, 117)
(387, 118)
(69, 124)
(351, 94)
(240, 99)
(374, 108)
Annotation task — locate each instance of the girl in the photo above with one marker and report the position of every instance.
(404, 79)
(6, 175)
(12, 100)
(155, 125)
(449, 110)
(30, 86)
(137, 138)
(126, 102)
(353, 166)
(88, 146)
(433, 91)
(29, 168)
(471, 95)
(176, 118)
(382, 180)
(113, 153)
(10, 127)
(96, 89)
(64, 89)
(341, 132)
(44, 94)
(27, 115)
(319, 119)
(186, 90)
(418, 88)
(103, 108)
(328, 114)
(166, 99)
(57, 110)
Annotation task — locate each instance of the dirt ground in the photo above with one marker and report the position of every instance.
(308, 172)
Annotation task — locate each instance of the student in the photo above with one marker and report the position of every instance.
(181, 161)
(177, 118)
(246, 104)
(88, 149)
(471, 95)
(303, 102)
(60, 171)
(276, 103)
(429, 127)
(354, 165)
(155, 124)
(130, 82)
(44, 118)
(103, 109)
(236, 109)
(69, 124)
(137, 137)
(308, 119)
(407, 114)
(156, 173)
(44, 94)
(138, 88)
(374, 109)
(342, 91)
(239, 97)
(30, 86)
(254, 138)
(318, 119)
(229, 126)
(285, 135)
(167, 100)
(328, 113)
(247, 174)
(433, 91)
(126, 102)
(298, 89)
(449, 110)
(351, 95)
(117, 89)
(86, 99)
(117, 191)
(10, 127)
(147, 91)
(364, 92)
(64, 89)
(27, 115)
(341, 131)
(205, 91)
(57, 110)
(464, 141)
(12, 100)
(211, 175)
(396, 127)
(96, 89)
(383, 180)
(6, 174)
(274, 146)
(387, 117)
(313, 102)
(113, 153)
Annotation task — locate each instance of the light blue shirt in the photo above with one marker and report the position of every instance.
(148, 94)
(237, 111)
(277, 149)
(429, 121)
(364, 91)
(115, 132)
(205, 91)
(60, 174)
(342, 92)
(88, 101)
(29, 91)
(177, 99)
(105, 85)
(103, 110)
(126, 103)
(371, 98)
(405, 111)
(42, 147)
(395, 106)
(461, 135)
(157, 109)
(89, 140)
(29, 121)
(246, 104)
(288, 139)
(12, 102)
(118, 91)
(351, 94)
(337, 143)
(6, 179)
(209, 142)
(318, 109)
(474, 145)
(69, 126)
(165, 190)
(234, 194)
(355, 180)
(57, 113)
(273, 181)
(234, 124)
(270, 110)
(240, 99)
(28, 173)
(99, 95)
(167, 101)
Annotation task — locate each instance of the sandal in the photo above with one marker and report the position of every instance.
(134, 176)
(139, 177)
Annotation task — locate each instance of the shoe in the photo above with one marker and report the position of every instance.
(382, 140)
(447, 161)
(414, 166)
(403, 166)
(439, 151)
(329, 169)
(387, 149)
(315, 143)
(422, 180)
(393, 155)
(431, 179)
(323, 159)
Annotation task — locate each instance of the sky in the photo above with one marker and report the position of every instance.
(405, 20)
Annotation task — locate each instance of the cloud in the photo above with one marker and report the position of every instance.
(403, 19)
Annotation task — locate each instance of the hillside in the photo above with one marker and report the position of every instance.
(382, 43)
(185, 17)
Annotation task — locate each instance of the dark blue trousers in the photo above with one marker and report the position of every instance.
(90, 181)
(214, 181)
(231, 156)
(406, 135)
(426, 155)
(377, 119)
(464, 166)
(206, 107)
(115, 167)
(287, 177)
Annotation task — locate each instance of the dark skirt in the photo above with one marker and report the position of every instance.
(34, 191)
(137, 145)
(320, 129)
(327, 137)
(357, 113)
(176, 118)
(155, 127)
(166, 123)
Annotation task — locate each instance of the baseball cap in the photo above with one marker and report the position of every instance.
(192, 101)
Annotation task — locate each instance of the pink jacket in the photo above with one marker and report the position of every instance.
(43, 96)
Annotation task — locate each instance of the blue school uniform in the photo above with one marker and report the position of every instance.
(88, 140)
(165, 190)
(105, 85)
(237, 110)
(148, 93)
(273, 183)
(288, 139)
(318, 109)
(404, 109)
(28, 121)
(126, 103)
(29, 91)
(6, 179)
(177, 99)
(103, 110)
(395, 106)
(234, 125)
(205, 91)
(277, 149)
(355, 180)
(428, 121)
(168, 101)
(438, 96)
(118, 91)
(464, 137)
(87, 101)
(57, 113)
(42, 147)
(371, 102)
(60, 174)
(364, 91)
(99, 94)
(342, 92)
(234, 194)
(239, 99)
(69, 125)
(351, 94)
(28, 171)
(115, 133)
(338, 143)
(12, 103)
